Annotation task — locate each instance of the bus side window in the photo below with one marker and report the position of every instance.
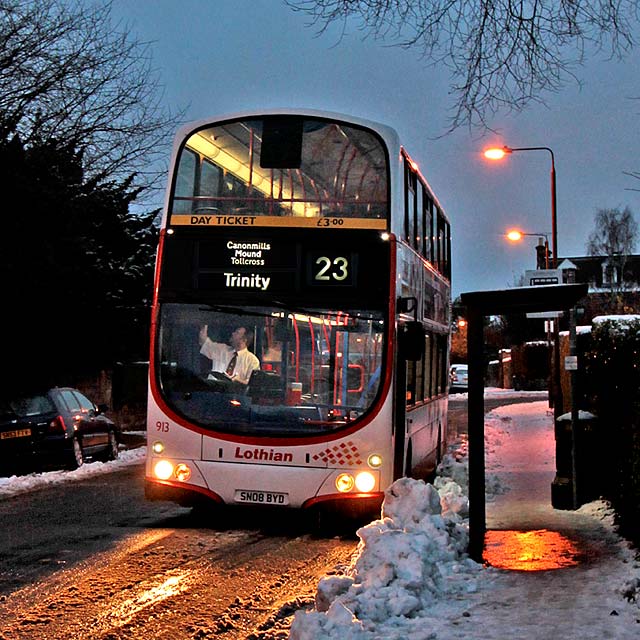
(208, 188)
(427, 221)
(426, 382)
(441, 359)
(441, 243)
(415, 381)
(185, 182)
(411, 382)
(420, 380)
(447, 241)
(410, 183)
(420, 219)
(434, 365)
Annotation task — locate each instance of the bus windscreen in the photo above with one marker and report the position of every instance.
(269, 370)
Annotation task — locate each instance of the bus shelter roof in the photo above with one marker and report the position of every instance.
(554, 297)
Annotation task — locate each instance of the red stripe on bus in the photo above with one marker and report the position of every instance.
(333, 497)
(188, 487)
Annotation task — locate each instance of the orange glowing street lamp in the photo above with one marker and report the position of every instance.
(515, 235)
(498, 153)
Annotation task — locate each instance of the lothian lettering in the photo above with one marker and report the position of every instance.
(266, 455)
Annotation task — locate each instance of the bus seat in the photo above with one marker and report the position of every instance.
(265, 387)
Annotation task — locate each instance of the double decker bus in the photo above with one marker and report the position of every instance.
(308, 248)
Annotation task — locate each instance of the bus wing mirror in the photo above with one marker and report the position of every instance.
(411, 341)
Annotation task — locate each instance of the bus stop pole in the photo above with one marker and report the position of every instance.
(575, 413)
(475, 408)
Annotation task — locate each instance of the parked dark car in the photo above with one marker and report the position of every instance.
(60, 427)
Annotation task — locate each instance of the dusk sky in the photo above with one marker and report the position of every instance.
(221, 56)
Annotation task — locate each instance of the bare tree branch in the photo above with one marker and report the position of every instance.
(501, 54)
(67, 73)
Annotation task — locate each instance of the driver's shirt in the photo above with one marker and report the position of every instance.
(220, 355)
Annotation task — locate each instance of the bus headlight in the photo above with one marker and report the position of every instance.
(365, 482)
(182, 472)
(157, 447)
(374, 461)
(163, 469)
(344, 482)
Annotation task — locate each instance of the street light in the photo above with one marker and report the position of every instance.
(498, 153)
(515, 235)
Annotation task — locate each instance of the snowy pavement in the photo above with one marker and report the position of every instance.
(13, 485)
(411, 579)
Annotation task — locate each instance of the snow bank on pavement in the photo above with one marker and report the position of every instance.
(22, 484)
(498, 393)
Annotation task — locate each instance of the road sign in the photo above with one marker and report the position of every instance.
(571, 363)
(539, 277)
(546, 315)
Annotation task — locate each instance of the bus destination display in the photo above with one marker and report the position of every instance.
(268, 265)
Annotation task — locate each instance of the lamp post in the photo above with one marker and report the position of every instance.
(499, 153)
(515, 235)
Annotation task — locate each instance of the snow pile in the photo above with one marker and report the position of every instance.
(20, 484)
(406, 562)
(411, 562)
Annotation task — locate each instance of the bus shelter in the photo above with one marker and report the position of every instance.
(479, 304)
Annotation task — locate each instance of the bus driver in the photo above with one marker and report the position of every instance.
(233, 360)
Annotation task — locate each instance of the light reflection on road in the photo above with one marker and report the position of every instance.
(147, 595)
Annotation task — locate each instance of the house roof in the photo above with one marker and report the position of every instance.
(589, 269)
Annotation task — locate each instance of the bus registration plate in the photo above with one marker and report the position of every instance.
(261, 497)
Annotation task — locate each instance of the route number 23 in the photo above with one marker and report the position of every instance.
(332, 269)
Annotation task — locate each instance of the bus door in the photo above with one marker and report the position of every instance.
(410, 347)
